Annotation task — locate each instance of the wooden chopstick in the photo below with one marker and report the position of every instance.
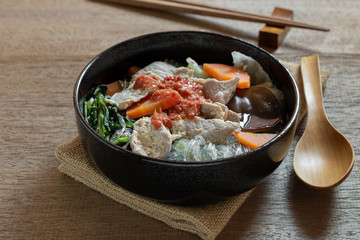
(208, 10)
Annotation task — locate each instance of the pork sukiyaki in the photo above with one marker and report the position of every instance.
(193, 112)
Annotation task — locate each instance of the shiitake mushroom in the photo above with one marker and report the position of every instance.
(262, 106)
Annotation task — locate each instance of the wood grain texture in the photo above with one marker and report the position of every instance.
(323, 157)
(43, 47)
(179, 6)
(272, 36)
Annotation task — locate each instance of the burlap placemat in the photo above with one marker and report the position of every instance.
(206, 220)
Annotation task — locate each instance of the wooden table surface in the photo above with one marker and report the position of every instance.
(43, 47)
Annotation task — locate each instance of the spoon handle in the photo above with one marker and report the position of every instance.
(312, 87)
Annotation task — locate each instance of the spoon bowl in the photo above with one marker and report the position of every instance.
(323, 157)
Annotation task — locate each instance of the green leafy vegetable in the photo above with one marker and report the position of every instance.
(105, 118)
(198, 70)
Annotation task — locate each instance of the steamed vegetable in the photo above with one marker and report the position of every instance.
(104, 118)
(257, 73)
(254, 140)
(198, 70)
(152, 103)
(251, 66)
(227, 72)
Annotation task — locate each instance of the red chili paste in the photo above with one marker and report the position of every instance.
(166, 93)
(143, 82)
(192, 97)
(188, 105)
(159, 118)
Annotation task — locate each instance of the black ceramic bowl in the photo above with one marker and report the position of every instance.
(181, 182)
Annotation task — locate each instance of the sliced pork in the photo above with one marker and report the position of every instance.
(158, 70)
(147, 141)
(220, 91)
(218, 111)
(216, 131)
(213, 110)
(161, 70)
(127, 97)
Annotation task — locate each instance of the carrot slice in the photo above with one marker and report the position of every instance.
(132, 70)
(254, 140)
(159, 100)
(226, 72)
(113, 88)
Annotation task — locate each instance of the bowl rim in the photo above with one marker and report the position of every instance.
(292, 119)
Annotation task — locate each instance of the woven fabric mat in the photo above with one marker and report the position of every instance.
(206, 220)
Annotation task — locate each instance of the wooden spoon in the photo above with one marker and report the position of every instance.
(323, 157)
